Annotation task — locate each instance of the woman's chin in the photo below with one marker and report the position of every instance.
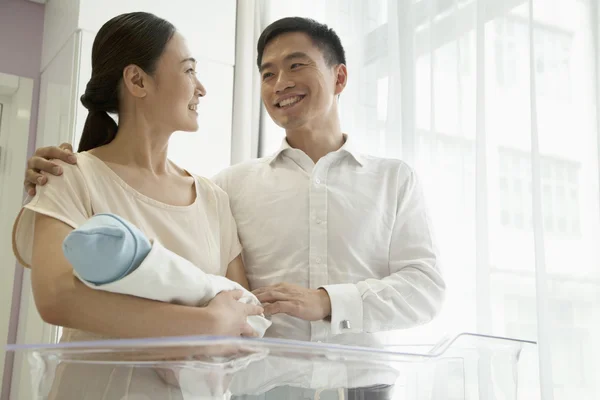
(191, 127)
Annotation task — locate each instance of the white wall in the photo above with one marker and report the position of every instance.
(57, 101)
(60, 21)
(208, 25)
(208, 151)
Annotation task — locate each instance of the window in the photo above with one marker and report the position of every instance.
(561, 187)
(505, 51)
(560, 192)
(515, 189)
(465, 47)
(552, 54)
(568, 345)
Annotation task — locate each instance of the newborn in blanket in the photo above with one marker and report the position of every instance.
(111, 254)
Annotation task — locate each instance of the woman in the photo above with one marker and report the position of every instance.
(143, 71)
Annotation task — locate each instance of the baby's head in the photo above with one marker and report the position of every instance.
(105, 248)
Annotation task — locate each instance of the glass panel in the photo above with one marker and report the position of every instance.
(185, 368)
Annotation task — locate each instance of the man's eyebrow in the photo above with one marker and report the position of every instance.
(265, 66)
(297, 54)
(291, 56)
(192, 59)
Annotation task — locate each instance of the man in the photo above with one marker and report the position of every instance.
(347, 234)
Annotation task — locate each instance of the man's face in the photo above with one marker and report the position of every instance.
(298, 87)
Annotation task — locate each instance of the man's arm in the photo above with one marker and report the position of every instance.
(40, 161)
(410, 296)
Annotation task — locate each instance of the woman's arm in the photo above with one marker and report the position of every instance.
(63, 300)
(237, 273)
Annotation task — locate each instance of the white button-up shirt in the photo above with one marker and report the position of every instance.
(354, 225)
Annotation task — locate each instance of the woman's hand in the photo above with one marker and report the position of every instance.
(230, 315)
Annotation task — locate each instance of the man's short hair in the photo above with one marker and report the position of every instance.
(321, 35)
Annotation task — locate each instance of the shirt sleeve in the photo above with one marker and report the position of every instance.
(65, 198)
(221, 179)
(413, 292)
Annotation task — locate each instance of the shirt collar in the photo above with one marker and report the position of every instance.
(347, 147)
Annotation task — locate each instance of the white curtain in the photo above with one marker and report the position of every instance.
(495, 103)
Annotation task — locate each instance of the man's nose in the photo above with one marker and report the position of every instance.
(283, 82)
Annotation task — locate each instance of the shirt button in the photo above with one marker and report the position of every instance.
(319, 221)
(318, 181)
(318, 260)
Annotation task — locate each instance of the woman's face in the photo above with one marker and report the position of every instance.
(173, 90)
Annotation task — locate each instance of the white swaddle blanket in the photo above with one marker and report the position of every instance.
(165, 276)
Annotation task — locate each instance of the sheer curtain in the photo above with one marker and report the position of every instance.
(494, 103)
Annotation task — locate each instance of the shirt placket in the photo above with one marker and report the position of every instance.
(318, 273)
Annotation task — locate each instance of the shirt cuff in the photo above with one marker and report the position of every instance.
(346, 308)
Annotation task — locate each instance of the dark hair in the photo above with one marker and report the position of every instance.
(137, 38)
(321, 35)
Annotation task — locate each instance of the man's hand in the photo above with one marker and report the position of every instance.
(294, 300)
(40, 162)
(230, 316)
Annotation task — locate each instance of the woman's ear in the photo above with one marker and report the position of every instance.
(135, 81)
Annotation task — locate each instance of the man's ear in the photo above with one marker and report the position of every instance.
(135, 81)
(341, 78)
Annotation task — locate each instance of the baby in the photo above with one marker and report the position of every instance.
(109, 253)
